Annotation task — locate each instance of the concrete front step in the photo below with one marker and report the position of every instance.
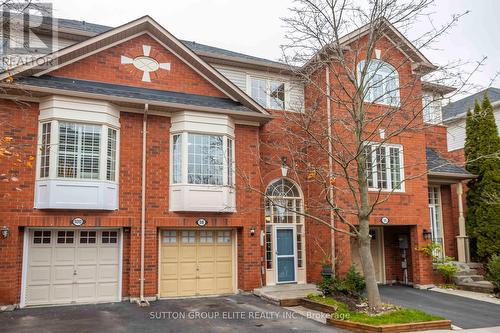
(478, 286)
(285, 294)
(467, 272)
(469, 278)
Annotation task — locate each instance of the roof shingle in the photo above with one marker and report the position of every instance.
(438, 164)
(459, 108)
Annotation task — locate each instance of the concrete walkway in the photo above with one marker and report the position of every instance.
(469, 294)
(283, 292)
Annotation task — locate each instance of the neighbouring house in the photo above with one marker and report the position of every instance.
(138, 137)
(454, 115)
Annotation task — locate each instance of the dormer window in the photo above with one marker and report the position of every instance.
(268, 93)
(381, 82)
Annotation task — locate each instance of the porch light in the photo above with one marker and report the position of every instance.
(252, 231)
(427, 234)
(5, 231)
(284, 167)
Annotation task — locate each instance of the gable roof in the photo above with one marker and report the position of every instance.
(458, 109)
(437, 165)
(127, 31)
(92, 29)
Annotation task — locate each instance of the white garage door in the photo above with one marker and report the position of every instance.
(72, 266)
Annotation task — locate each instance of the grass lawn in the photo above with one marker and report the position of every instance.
(400, 316)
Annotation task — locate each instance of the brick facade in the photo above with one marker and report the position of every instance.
(257, 159)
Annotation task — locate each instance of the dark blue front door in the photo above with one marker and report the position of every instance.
(285, 255)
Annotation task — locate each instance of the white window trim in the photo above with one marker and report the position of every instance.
(268, 88)
(184, 159)
(437, 188)
(393, 71)
(54, 152)
(388, 167)
(433, 108)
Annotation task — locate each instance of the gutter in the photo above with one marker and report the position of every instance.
(142, 301)
(330, 160)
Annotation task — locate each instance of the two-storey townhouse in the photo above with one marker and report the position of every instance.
(145, 149)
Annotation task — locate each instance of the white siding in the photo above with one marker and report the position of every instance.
(456, 135)
(239, 78)
(456, 132)
(296, 97)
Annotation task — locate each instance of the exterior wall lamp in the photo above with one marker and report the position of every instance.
(252, 231)
(5, 231)
(427, 234)
(284, 167)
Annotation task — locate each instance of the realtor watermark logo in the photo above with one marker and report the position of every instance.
(28, 32)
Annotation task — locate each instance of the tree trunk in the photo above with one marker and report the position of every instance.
(365, 255)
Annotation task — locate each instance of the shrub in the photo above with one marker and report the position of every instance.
(354, 281)
(448, 271)
(493, 271)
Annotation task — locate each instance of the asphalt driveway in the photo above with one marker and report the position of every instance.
(235, 314)
(463, 312)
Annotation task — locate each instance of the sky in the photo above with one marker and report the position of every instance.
(255, 27)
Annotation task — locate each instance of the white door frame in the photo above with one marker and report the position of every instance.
(285, 226)
(26, 243)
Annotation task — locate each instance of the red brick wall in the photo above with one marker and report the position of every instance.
(106, 66)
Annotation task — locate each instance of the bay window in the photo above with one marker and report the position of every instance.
(384, 167)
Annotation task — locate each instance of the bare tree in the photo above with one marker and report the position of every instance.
(363, 90)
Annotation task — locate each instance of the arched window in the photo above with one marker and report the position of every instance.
(283, 202)
(381, 82)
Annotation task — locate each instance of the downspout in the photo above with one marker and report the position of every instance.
(330, 161)
(142, 300)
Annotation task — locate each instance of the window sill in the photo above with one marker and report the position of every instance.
(76, 194)
(202, 198)
(372, 190)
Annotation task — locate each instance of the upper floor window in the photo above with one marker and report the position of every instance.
(384, 167)
(80, 151)
(268, 93)
(381, 82)
(208, 159)
(431, 109)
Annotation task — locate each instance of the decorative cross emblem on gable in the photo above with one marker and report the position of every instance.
(145, 63)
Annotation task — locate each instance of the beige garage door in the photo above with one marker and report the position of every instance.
(72, 266)
(196, 262)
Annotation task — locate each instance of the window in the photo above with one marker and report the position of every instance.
(210, 159)
(65, 237)
(224, 237)
(170, 237)
(188, 236)
(87, 237)
(205, 159)
(79, 149)
(431, 109)
(45, 151)
(206, 237)
(436, 218)
(381, 82)
(42, 237)
(109, 237)
(384, 167)
(111, 155)
(284, 203)
(268, 93)
(177, 157)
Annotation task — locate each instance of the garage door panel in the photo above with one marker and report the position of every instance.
(206, 286)
(187, 287)
(41, 256)
(169, 271)
(108, 255)
(62, 272)
(39, 275)
(196, 264)
(86, 255)
(107, 273)
(86, 274)
(62, 293)
(38, 294)
(64, 255)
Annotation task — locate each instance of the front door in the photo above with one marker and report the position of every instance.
(285, 254)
